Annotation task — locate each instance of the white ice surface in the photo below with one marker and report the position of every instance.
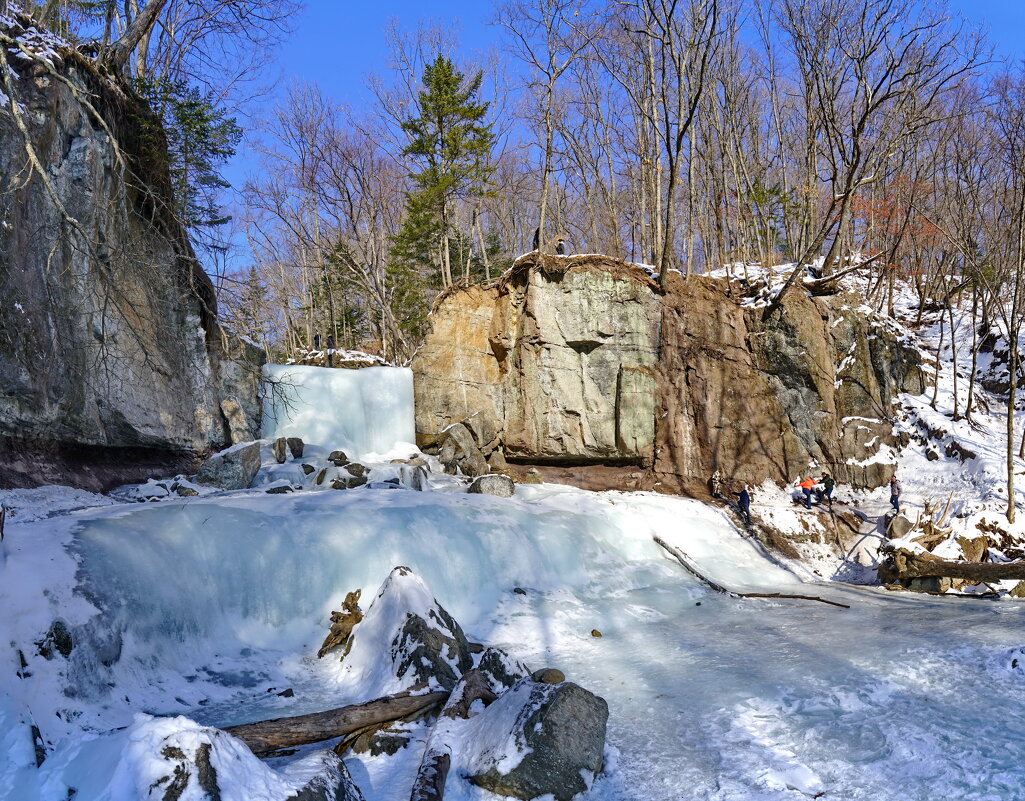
(367, 412)
(220, 603)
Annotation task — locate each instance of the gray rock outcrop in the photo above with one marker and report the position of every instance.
(560, 731)
(493, 484)
(233, 469)
(582, 361)
(113, 365)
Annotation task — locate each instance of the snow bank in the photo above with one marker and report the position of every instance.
(367, 412)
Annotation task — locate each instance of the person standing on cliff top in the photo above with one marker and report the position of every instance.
(537, 238)
(560, 246)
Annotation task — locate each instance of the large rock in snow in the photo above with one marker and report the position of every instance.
(581, 360)
(406, 640)
(538, 740)
(232, 469)
(176, 759)
(494, 484)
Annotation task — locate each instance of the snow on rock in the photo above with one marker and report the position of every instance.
(406, 641)
(535, 740)
(367, 413)
(177, 759)
(233, 468)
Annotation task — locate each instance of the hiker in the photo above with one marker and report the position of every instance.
(715, 483)
(537, 238)
(806, 486)
(895, 493)
(330, 349)
(827, 484)
(744, 502)
(560, 246)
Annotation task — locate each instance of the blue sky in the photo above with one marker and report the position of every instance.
(336, 43)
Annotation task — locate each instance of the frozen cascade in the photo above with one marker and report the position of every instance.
(363, 412)
(215, 601)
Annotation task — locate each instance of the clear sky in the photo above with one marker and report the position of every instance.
(336, 43)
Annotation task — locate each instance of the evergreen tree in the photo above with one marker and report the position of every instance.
(450, 146)
(201, 137)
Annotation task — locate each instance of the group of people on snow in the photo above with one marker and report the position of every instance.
(822, 488)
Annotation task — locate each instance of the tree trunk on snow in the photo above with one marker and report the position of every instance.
(267, 736)
(906, 565)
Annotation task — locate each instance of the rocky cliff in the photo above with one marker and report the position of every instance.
(112, 363)
(582, 361)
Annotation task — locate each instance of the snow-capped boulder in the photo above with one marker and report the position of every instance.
(231, 469)
(296, 447)
(537, 740)
(406, 640)
(493, 484)
(176, 759)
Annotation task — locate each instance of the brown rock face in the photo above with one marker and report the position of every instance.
(581, 361)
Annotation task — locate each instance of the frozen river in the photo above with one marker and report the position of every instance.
(207, 604)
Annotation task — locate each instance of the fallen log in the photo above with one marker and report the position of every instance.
(266, 736)
(432, 774)
(903, 565)
(684, 560)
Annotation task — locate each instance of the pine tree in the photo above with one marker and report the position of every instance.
(450, 146)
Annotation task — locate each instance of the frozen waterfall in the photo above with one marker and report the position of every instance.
(363, 412)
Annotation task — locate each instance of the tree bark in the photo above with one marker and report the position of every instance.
(267, 736)
(117, 56)
(907, 565)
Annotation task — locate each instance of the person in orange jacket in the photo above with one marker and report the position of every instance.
(806, 486)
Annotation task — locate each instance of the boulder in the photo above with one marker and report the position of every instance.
(406, 640)
(459, 451)
(553, 734)
(176, 759)
(493, 484)
(232, 469)
(295, 447)
(338, 458)
(356, 469)
(897, 525)
(279, 448)
(308, 469)
(548, 676)
(239, 426)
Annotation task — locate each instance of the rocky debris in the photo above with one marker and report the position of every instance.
(356, 469)
(338, 458)
(279, 449)
(457, 451)
(342, 624)
(58, 640)
(296, 447)
(348, 482)
(557, 730)
(187, 492)
(240, 427)
(232, 469)
(501, 668)
(493, 484)
(181, 758)
(583, 361)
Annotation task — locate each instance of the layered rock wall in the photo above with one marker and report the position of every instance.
(582, 360)
(112, 363)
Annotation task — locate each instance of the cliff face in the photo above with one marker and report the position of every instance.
(580, 360)
(112, 364)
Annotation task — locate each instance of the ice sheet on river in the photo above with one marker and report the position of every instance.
(210, 607)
